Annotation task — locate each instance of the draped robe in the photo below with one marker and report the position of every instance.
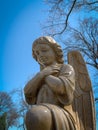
(57, 103)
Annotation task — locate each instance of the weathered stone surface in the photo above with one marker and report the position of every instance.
(83, 103)
(59, 102)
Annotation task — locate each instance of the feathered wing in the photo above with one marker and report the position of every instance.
(83, 104)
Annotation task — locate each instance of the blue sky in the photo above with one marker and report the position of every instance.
(20, 25)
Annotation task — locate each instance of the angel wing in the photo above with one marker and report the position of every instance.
(83, 104)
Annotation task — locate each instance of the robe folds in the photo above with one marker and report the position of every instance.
(57, 103)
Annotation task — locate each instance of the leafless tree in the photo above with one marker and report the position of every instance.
(83, 36)
(61, 10)
(7, 106)
(22, 107)
(84, 39)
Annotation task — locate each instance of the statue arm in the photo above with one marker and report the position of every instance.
(32, 87)
(67, 76)
(63, 85)
(55, 84)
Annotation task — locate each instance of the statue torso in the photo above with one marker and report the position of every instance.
(46, 95)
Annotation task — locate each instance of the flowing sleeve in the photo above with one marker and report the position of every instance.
(67, 76)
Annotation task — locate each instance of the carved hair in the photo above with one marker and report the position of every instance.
(53, 44)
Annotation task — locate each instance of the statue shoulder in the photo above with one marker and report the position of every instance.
(67, 68)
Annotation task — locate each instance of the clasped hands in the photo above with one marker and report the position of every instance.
(50, 70)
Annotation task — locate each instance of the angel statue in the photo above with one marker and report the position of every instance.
(60, 94)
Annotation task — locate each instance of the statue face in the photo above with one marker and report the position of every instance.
(45, 54)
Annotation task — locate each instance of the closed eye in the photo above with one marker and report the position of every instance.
(44, 50)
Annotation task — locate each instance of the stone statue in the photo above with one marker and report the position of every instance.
(59, 101)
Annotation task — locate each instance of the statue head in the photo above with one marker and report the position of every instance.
(47, 40)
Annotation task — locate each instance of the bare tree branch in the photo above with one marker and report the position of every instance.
(91, 3)
(84, 39)
(62, 10)
(66, 20)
